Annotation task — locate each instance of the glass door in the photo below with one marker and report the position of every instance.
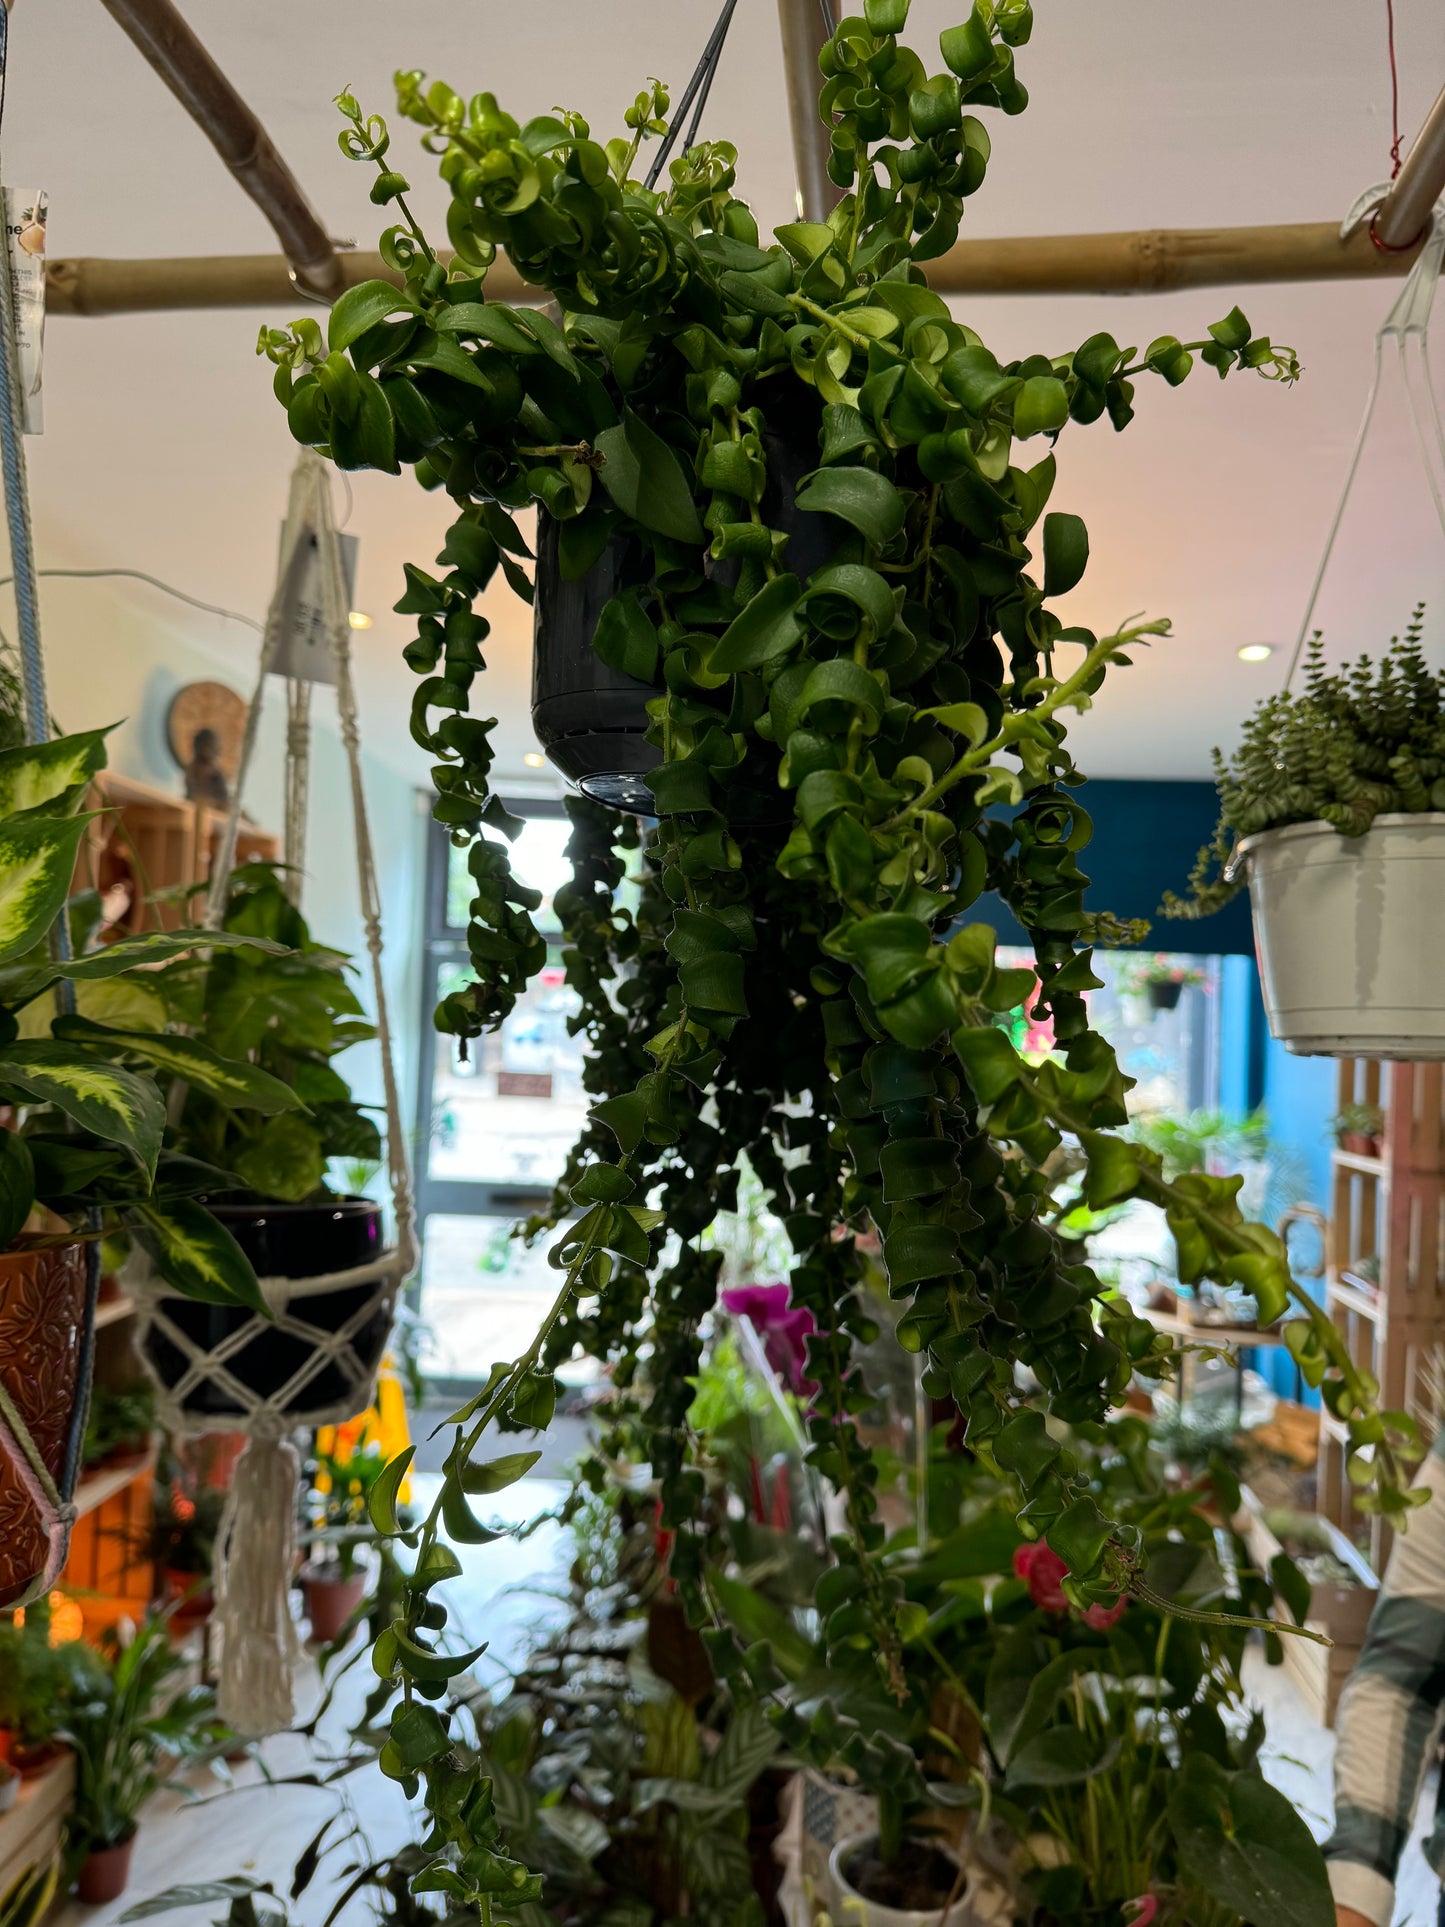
(493, 1132)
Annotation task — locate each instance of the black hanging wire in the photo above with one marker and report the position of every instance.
(697, 89)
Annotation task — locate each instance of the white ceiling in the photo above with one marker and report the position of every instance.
(164, 450)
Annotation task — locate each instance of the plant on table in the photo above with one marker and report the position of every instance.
(796, 981)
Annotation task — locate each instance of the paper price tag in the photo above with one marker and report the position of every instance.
(303, 649)
(25, 214)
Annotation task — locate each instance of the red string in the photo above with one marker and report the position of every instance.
(1394, 90)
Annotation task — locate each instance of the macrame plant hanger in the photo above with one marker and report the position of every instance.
(255, 1547)
(50, 1494)
(1407, 325)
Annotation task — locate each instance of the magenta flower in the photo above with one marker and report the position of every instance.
(1148, 1906)
(784, 1329)
(1101, 1618)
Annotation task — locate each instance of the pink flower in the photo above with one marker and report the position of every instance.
(1101, 1618)
(1044, 1572)
(1148, 1907)
(1042, 1568)
(784, 1329)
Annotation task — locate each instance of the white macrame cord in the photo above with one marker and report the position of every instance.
(255, 1547)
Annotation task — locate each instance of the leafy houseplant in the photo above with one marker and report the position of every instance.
(90, 1154)
(288, 1011)
(826, 504)
(127, 1735)
(285, 1012)
(1360, 1128)
(119, 1424)
(1358, 754)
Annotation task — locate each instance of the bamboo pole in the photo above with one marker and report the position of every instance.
(806, 26)
(1405, 211)
(168, 45)
(1133, 263)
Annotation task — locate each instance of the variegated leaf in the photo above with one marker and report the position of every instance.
(37, 861)
(126, 1003)
(115, 1105)
(196, 1255)
(42, 773)
(128, 953)
(231, 1081)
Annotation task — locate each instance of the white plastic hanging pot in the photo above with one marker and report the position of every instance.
(1350, 933)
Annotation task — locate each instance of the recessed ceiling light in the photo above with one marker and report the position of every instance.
(359, 620)
(1256, 652)
(534, 759)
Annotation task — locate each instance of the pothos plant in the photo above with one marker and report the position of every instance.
(849, 755)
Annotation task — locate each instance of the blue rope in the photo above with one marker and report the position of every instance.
(37, 730)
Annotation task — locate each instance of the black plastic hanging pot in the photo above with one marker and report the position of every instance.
(295, 1241)
(591, 719)
(1165, 996)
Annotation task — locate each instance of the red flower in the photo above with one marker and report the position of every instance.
(1101, 1618)
(1042, 1568)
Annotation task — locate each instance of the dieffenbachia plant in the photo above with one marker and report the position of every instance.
(851, 755)
(91, 1144)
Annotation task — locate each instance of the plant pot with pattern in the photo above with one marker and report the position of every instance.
(286, 1012)
(84, 1145)
(1332, 809)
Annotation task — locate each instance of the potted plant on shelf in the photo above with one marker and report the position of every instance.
(286, 1012)
(128, 1734)
(1160, 981)
(182, 1544)
(1360, 1130)
(1332, 808)
(338, 1526)
(40, 1674)
(119, 1426)
(814, 516)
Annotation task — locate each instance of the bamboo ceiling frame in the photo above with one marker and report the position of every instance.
(1151, 261)
(1140, 262)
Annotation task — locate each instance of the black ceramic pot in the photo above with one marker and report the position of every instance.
(590, 719)
(1165, 996)
(282, 1241)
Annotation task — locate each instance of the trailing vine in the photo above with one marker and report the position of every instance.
(844, 563)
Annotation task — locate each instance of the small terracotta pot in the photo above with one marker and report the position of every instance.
(105, 1874)
(31, 1761)
(195, 1599)
(330, 1602)
(1358, 1144)
(42, 1310)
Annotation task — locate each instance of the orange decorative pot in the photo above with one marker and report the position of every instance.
(42, 1312)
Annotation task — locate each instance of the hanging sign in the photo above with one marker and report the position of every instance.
(303, 648)
(25, 211)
